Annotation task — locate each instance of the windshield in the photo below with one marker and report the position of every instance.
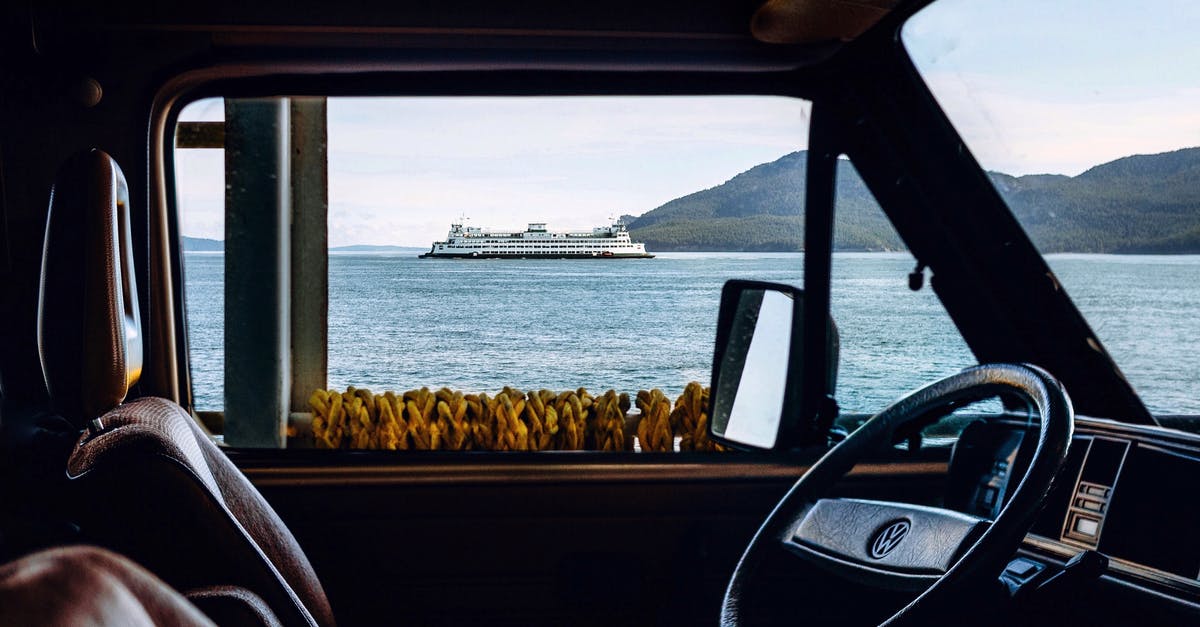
(1087, 117)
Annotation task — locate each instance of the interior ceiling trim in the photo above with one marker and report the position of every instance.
(425, 31)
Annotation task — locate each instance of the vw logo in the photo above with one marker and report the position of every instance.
(888, 538)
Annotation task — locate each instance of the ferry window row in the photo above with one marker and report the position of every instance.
(395, 347)
(546, 244)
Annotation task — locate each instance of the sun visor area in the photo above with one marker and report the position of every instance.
(815, 21)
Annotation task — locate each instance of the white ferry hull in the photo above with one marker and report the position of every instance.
(536, 242)
(532, 255)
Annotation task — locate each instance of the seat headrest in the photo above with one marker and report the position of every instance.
(89, 329)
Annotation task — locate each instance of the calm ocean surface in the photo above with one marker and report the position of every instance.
(397, 322)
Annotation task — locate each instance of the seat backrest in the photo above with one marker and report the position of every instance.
(150, 484)
(153, 486)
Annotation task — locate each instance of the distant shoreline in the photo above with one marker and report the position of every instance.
(403, 250)
(204, 245)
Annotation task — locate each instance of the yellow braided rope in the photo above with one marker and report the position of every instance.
(512, 420)
(654, 426)
(608, 424)
(690, 418)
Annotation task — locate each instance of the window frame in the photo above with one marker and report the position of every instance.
(401, 79)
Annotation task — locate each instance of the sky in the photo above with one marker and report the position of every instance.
(1033, 86)
(1058, 86)
(402, 169)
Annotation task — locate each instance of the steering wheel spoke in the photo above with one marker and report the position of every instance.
(888, 545)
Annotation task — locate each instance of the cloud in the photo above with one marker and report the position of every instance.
(572, 162)
(200, 192)
(401, 168)
(1057, 87)
(415, 209)
(502, 128)
(1017, 132)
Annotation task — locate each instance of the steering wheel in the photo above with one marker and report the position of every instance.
(911, 547)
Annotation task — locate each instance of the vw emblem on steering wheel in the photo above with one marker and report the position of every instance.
(888, 538)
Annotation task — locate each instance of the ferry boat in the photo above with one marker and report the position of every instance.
(536, 242)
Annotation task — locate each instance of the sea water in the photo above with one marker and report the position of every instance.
(397, 322)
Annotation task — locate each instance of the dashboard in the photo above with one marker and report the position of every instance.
(1126, 491)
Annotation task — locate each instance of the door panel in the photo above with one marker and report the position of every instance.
(589, 540)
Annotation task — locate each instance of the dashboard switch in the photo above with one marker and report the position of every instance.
(1022, 568)
(1087, 526)
(1048, 585)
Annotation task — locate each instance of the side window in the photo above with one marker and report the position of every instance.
(200, 203)
(488, 273)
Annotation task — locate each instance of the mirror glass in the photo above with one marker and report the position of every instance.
(748, 400)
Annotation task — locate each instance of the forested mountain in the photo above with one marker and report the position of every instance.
(1143, 203)
(202, 244)
(762, 209)
(1138, 204)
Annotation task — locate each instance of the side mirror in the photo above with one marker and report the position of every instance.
(757, 366)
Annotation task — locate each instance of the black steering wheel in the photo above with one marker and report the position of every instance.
(910, 547)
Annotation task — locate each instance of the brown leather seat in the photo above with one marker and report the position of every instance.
(82, 585)
(150, 484)
(87, 585)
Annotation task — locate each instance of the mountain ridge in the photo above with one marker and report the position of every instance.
(1135, 204)
(202, 245)
(1148, 203)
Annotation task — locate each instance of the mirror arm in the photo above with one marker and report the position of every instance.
(829, 413)
(818, 410)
